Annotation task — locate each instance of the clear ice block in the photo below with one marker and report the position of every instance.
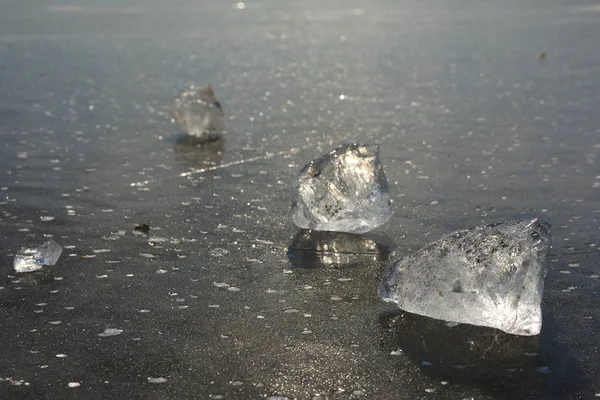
(198, 112)
(29, 259)
(489, 275)
(344, 191)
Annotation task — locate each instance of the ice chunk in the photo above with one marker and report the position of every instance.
(344, 190)
(489, 275)
(198, 112)
(30, 259)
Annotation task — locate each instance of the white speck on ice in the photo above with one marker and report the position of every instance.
(160, 379)
(110, 332)
(101, 250)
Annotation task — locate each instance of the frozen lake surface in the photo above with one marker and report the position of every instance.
(484, 112)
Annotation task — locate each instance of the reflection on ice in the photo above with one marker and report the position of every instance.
(194, 152)
(40, 277)
(314, 249)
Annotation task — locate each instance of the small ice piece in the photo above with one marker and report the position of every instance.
(344, 191)
(490, 275)
(198, 112)
(29, 259)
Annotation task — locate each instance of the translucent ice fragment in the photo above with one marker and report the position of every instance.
(198, 112)
(30, 259)
(489, 275)
(344, 190)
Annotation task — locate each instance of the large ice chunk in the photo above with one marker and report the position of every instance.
(489, 275)
(29, 259)
(198, 112)
(344, 190)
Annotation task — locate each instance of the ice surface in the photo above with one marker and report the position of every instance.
(198, 112)
(344, 191)
(29, 259)
(489, 275)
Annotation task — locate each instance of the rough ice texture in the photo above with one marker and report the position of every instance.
(29, 259)
(489, 275)
(198, 112)
(344, 190)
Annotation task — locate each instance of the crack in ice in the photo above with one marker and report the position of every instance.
(221, 166)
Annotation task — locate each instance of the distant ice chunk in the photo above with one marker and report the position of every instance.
(198, 112)
(344, 191)
(489, 275)
(29, 259)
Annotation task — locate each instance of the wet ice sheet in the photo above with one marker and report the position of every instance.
(489, 275)
(474, 131)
